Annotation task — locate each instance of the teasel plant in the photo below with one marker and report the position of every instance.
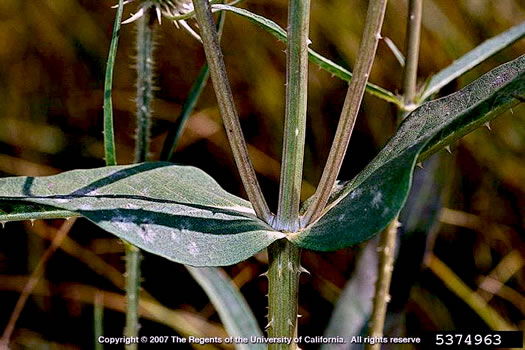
(149, 14)
(225, 229)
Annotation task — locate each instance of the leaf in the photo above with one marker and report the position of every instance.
(419, 220)
(472, 58)
(19, 211)
(177, 212)
(376, 195)
(109, 137)
(354, 307)
(175, 132)
(235, 313)
(323, 62)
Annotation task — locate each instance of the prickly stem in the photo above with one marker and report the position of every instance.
(133, 257)
(382, 296)
(144, 67)
(283, 289)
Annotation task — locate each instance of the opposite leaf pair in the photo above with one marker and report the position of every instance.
(181, 213)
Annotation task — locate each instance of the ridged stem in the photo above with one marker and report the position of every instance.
(229, 114)
(144, 68)
(415, 11)
(133, 258)
(382, 297)
(295, 117)
(283, 291)
(354, 96)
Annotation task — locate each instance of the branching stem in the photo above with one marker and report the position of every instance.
(228, 111)
(354, 96)
(295, 118)
(412, 53)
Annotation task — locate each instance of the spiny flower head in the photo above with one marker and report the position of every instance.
(173, 10)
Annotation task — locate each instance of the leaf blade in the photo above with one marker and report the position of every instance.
(233, 310)
(472, 58)
(375, 196)
(354, 306)
(109, 137)
(173, 211)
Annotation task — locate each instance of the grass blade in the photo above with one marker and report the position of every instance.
(170, 144)
(472, 59)
(473, 299)
(353, 309)
(229, 303)
(175, 133)
(109, 136)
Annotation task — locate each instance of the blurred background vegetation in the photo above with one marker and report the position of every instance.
(52, 64)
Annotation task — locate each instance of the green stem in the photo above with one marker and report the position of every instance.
(412, 53)
(382, 297)
(295, 118)
(314, 57)
(228, 111)
(133, 257)
(354, 96)
(283, 291)
(144, 46)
